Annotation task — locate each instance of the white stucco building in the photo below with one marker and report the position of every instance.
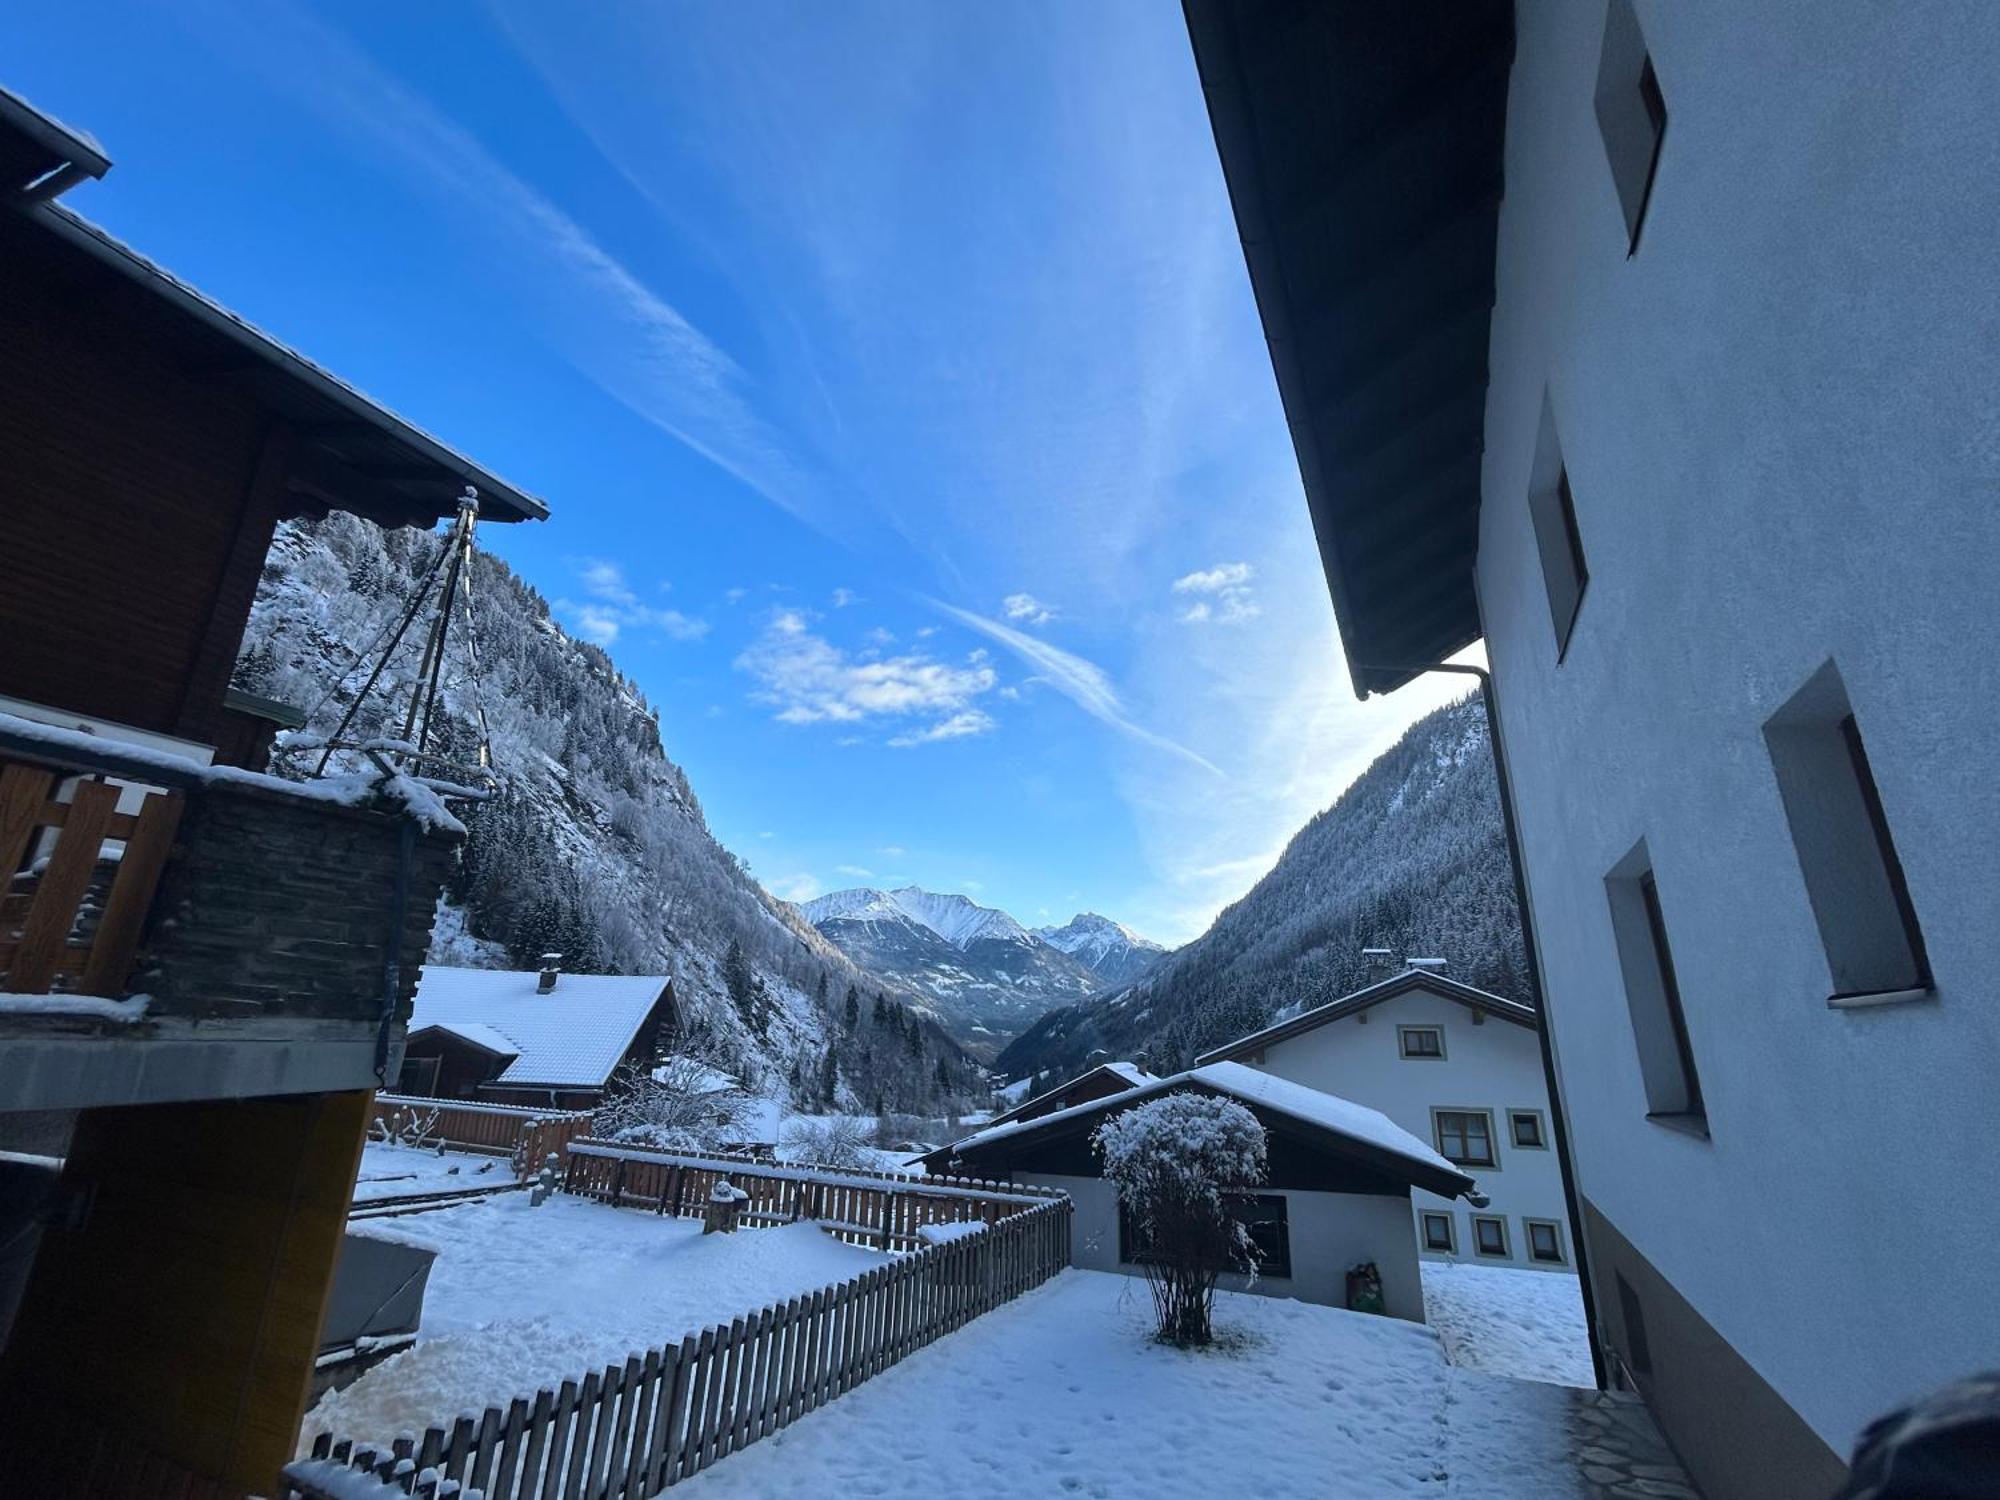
(1656, 344)
(1458, 1067)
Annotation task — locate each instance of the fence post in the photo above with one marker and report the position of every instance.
(888, 1216)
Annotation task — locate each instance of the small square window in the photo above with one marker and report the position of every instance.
(1440, 1233)
(1421, 1041)
(1465, 1136)
(1545, 1242)
(1525, 1126)
(1489, 1237)
(1631, 115)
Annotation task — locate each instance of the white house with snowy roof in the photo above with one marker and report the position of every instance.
(1460, 1067)
(1336, 1195)
(532, 1037)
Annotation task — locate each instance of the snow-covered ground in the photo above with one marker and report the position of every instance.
(523, 1297)
(1065, 1392)
(1506, 1321)
(400, 1171)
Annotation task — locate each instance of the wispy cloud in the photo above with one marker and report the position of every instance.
(809, 680)
(612, 606)
(597, 312)
(892, 851)
(844, 597)
(1027, 609)
(794, 888)
(1083, 682)
(961, 725)
(1223, 595)
(853, 872)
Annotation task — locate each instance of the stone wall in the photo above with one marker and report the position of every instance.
(280, 906)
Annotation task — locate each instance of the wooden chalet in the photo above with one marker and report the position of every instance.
(535, 1038)
(204, 971)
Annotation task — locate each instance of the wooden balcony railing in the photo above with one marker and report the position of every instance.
(79, 878)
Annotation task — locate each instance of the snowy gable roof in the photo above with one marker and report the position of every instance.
(574, 1036)
(1105, 1078)
(1483, 1001)
(479, 1035)
(1357, 1129)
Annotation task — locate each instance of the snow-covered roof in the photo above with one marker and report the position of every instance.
(573, 1036)
(1309, 1107)
(478, 1034)
(1128, 1073)
(1396, 984)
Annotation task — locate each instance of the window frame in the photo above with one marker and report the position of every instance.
(1554, 1226)
(1439, 1111)
(1892, 862)
(1426, 1216)
(1506, 1250)
(1279, 1268)
(1632, 117)
(1541, 1140)
(1670, 987)
(1403, 1035)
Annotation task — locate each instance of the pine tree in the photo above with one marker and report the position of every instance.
(852, 1011)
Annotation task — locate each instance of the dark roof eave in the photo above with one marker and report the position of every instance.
(499, 500)
(1388, 642)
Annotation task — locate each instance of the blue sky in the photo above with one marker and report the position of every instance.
(891, 371)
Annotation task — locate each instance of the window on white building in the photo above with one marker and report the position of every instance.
(1489, 1236)
(1440, 1232)
(1631, 115)
(1653, 995)
(1545, 1241)
(1526, 1128)
(1465, 1136)
(1420, 1041)
(1854, 877)
(1552, 509)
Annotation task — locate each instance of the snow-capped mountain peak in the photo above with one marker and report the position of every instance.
(959, 920)
(988, 975)
(1109, 949)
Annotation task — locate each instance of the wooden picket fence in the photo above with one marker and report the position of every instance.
(862, 1207)
(633, 1430)
(527, 1136)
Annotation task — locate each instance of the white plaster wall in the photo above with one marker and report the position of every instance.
(1494, 1066)
(1783, 434)
(1330, 1232)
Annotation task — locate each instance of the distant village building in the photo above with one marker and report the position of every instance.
(204, 971)
(1453, 1065)
(1337, 1196)
(531, 1037)
(1653, 345)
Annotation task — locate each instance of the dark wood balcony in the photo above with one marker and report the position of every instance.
(169, 930)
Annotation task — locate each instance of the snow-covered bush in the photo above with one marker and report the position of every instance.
(1175, 1162)
(827, 1141)
(683, 1102)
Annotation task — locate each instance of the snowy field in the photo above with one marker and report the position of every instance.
(1064, 1392)
(400, 1171)
(1528, 1324)
(524, 1297)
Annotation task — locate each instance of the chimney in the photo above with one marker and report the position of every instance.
(551, 972)
(1430, 965)
(1380, 958)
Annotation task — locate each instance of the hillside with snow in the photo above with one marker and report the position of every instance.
(985, 975)
(597, 847)
(1411, 858)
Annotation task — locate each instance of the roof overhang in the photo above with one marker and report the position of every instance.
(1361, 141)
(40, 156)
(351, 453)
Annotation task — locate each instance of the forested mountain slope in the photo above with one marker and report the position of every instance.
(596, 848)
(1411, 858)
